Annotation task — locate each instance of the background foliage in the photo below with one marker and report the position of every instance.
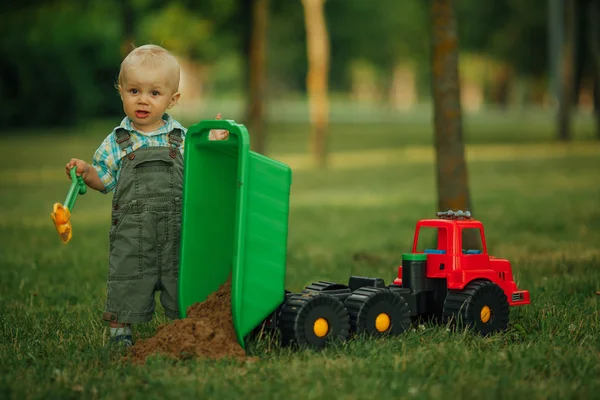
(60, 58)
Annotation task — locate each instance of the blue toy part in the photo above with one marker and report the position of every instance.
(471, 251)
(434, 251)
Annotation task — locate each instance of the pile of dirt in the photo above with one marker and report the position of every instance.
(207, 332)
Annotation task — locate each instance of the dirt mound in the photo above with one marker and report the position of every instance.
(207, 332)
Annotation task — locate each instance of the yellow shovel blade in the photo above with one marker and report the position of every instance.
(62, 221)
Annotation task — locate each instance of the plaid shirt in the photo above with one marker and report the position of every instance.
(107, 158)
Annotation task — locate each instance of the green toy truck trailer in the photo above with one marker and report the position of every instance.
(235, 223)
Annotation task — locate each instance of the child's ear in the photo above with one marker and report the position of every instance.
(174, 99)
(120, 89)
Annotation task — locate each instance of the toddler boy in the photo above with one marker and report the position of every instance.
(141, 161)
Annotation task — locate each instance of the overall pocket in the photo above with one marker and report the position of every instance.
(117, 216)
(124, 261)
(153, 178)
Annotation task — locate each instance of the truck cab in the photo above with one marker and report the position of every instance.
(461, 256)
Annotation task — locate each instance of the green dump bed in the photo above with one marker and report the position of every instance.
(234, 221)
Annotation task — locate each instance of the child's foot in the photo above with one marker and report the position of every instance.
(121, 336)
(122, 340)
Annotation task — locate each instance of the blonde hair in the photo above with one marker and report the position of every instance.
(153, 56)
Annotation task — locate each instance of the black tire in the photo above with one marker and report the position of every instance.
(299, 315)
(366, 304)
(467, 308)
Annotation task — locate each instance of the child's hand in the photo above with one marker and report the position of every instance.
(218, 134)
(82, 168)
(86, 172)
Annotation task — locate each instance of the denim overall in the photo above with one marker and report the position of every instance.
(145, 231)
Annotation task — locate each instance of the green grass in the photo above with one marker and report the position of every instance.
(539, 201)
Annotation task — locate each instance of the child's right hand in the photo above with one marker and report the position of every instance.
(218, 134)
(82, 168)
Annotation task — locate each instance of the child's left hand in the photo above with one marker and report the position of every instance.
(218, 134)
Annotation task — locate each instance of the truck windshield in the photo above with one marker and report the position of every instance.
(432, 240)
(471, 241)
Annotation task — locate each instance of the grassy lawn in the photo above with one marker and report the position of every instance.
(539, 202)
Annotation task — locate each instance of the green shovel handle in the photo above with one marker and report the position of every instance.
(78, 186)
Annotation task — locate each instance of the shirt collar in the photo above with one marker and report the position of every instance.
(166, 128)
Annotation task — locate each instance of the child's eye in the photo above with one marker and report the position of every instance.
(155, 93)
(133, 91)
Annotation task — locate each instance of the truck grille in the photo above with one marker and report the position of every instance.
(517, 296)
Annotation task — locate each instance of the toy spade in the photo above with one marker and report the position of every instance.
(61, 214)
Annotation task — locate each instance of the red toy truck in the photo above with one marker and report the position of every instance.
(448, 283)
(452, 281)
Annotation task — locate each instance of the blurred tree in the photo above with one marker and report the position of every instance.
(567, 76)
(257, 83)
(593, 25)
(508, 32)
(394, 32)
(128, 18)
(186, 33)
(287, 63)
(199, 34)
(58, 62)
(317, 39)
(452, 181)
(555, 41)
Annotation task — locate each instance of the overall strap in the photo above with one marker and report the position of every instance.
(174, 141)
(124, 142)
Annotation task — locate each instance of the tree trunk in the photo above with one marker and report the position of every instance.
(568, 72)
(555, 43)
(244, 26)
(402, 90)
(452, 181)
(594, 43)
(257, 56)
(317, 43)
(501, 82)
(127, 16)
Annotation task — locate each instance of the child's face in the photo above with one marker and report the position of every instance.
(146, 95)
